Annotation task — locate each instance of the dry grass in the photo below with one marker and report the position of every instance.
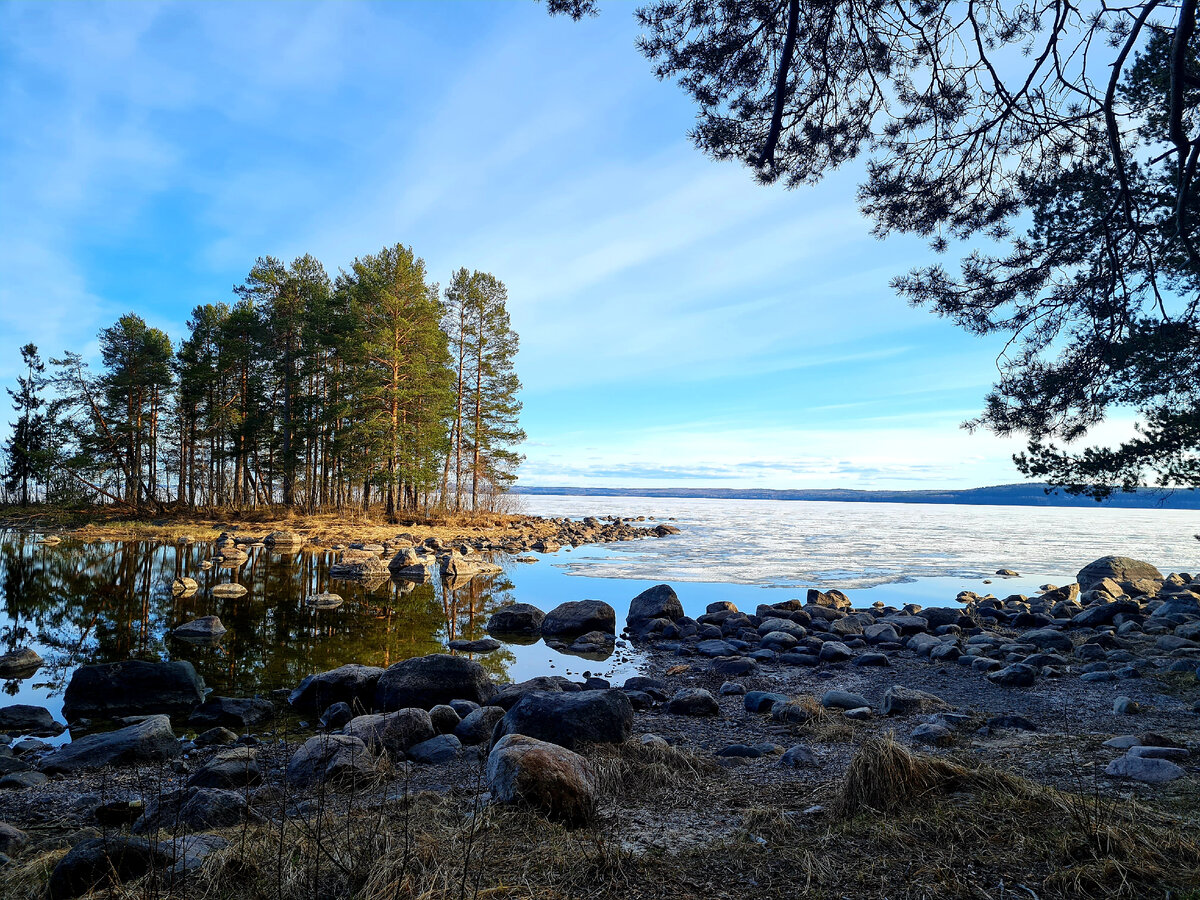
(898, 825)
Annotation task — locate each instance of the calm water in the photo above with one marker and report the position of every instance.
(78, 603)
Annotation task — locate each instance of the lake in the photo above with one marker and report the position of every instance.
(77, 603)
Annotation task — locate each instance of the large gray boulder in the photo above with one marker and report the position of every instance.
(392, 733)
(1118, 568)
(571, 719)
(338, 760)
(543, 776)
(150, 740)
(521, 619)
(579, 617)
(426, 681)
(349, 684)
(658, 602)
(133, 687)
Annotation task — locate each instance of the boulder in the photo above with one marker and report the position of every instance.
(571, 719)
(338, 760)
(1016, 675)
(392, 733)
(116, 858)
(229, 591)
(444, 718)
(658, 602)
(350, 684)
(20, 663)
(206, 628)
(150, 740)
(1145, 769)
(476, 727)
(579, 617)
(844, 700)
(456, 566)
(1118, 568)
(241, 713)
(693, 702)
(236, 768)
(835, 651)
(507, 695)
(516, 619)
(325, 600)
(133, 687)
(762, 701)
(543, 776)
(833, 599)
(20, 718)
(902, 701)
(195, 809)
(184, 586)
(426, 681)
(481, 645)
(12, 840)
(284, 541)
(1048, 639)
(436, 750)
(1104, 613)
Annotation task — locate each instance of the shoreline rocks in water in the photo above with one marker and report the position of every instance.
(773, 702)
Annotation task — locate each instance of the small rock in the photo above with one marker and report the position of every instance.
(1147, 770)
(693, 702)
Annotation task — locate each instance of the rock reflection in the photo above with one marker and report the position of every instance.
(101, 601)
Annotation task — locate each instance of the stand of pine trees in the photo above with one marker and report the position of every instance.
(369, 390)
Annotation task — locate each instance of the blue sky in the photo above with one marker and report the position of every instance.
(679, 323)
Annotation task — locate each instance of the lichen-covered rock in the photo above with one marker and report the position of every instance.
(544, 776)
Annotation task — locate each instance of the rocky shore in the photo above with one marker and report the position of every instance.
(751, 739)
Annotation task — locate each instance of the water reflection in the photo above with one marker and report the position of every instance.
(78, 603)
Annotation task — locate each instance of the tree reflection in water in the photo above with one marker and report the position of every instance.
(80, 603)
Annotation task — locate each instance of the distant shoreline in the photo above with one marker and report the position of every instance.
(999, 495)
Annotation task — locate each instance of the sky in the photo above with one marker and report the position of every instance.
(680, 324)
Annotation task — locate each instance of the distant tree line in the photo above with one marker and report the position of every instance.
(369, 390)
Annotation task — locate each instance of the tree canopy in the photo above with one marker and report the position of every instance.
(302, 392)
(1052, 146)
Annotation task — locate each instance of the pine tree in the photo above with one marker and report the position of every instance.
(401, 383)
(27, 447)
(493, 409)
(135, 388)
